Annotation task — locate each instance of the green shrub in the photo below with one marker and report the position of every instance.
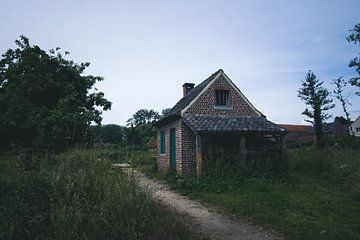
(348, 141)
(226, 164)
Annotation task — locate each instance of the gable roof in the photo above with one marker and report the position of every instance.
(211, 123)
(183, 102)
(356, 122)
(191, 97)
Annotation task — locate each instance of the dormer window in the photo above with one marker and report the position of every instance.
(222, 97)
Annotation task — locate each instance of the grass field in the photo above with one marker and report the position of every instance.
(318, 199)
(74, 195)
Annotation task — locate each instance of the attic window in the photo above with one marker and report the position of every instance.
(222, 97)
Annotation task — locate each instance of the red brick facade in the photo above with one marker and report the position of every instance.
(185, 137)
(206, 102)
(185, 147)
(163, 160)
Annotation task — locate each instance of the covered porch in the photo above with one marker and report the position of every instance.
(244, 139)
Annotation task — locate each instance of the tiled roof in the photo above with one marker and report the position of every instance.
(211, 123)
(183, 102)
(329, 127)
(296, 128)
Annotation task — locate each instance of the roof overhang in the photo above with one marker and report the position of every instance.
(163, 121)
(231, 124)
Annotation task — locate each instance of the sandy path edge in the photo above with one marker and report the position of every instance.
(204, 220)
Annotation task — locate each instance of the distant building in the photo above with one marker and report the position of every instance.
(299, 133)
(306, 133)
(355, 127)
(337, 129)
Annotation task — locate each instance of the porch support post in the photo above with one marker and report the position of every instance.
(243, 149)
(199, 157)
(283, 150)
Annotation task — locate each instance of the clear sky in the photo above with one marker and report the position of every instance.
(146, 50)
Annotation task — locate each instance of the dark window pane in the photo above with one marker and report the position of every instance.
(222, 97)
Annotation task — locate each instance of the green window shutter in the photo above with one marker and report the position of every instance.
(162, 142)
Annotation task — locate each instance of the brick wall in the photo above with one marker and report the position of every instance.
(185, 148)
(185, 137)
(188, 150)
(206, 102)
(163, 160)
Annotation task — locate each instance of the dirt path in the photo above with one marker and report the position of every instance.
(204, 220)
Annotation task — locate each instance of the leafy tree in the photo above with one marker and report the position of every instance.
(143, 116)
(110, 133)
(165, 111)
(140, 131)
(317, 98)
(354, 37)
(45, 100)
(340, 85)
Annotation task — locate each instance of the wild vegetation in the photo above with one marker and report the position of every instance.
(74, 195)
(319, 198)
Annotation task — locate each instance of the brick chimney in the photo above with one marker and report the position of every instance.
(187, 87)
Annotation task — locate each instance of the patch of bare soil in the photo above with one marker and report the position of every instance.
(203, 220)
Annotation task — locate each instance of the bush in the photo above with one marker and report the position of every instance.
(221, 164)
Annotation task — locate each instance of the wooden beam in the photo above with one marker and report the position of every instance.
(199, 157)
(283, 148)
(243, 152)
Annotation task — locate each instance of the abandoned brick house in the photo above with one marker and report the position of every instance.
(213, 113)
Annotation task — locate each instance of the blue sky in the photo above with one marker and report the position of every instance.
(146, 50)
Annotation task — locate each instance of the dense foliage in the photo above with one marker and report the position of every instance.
(76, 196)
(110, 133)
(141, 131)
(45, 100)
(138, 134)
(354, 37)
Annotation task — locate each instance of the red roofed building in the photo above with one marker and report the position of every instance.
(299, 133)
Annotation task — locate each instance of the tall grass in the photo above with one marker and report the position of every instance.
(319, 198)
(339, 167)
(76, 196)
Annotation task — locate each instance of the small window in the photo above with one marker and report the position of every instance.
(357, 129)
(222, 97)
(162, 142)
